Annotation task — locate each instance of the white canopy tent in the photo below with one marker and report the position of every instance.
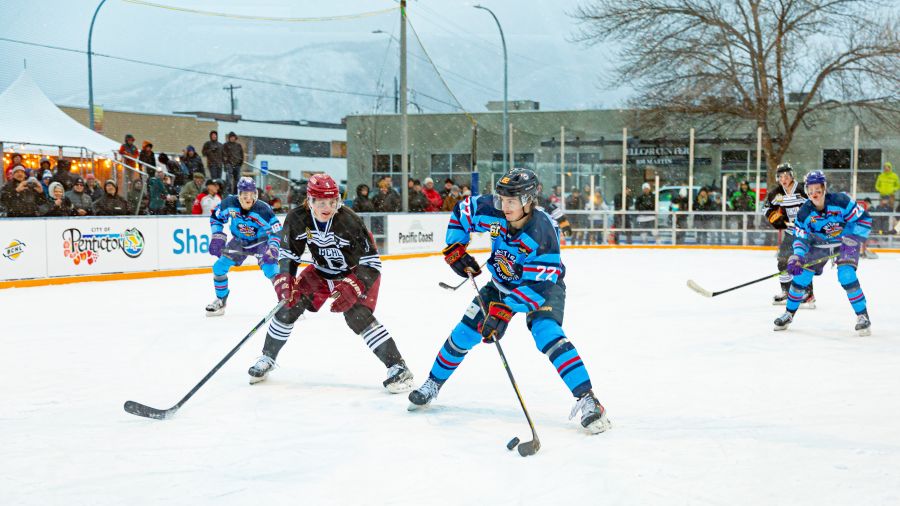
(31, 123)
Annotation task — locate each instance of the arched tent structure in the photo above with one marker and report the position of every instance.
(31, 123)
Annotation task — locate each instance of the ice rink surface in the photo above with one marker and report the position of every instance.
(708, 404)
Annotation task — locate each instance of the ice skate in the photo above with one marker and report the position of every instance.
(593, 414)
(809, 301)
(780, 299)
(260, 370)
(216, 307)
(863, 325)
(782, 322)
(400, 378)
(422, 396)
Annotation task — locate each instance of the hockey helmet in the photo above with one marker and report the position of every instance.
(322, 186)
(784, 167)
(522, 183)
(246, 184)
(815, 177)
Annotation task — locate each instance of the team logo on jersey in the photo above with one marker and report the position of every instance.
(14, 250)
(505, 265)
(495, 230)
(233, 213)
(832, 229)
(245, 229)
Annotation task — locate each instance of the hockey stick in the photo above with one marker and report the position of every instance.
(529, 447)
(706, 293)
(461, 283)
(136, 408)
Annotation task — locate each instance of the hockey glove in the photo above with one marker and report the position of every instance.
(795, 265)
(460, 261)
(270, 256)
(346, 293)
(217, 244)
(849, 249)
(286, 289)
(565, 227)
(494, 326)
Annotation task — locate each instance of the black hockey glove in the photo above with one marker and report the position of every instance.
(494, 326)
(460, 261)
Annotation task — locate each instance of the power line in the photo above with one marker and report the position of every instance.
(262, 18)
(438, 72)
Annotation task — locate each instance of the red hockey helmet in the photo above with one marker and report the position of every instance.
(322, 186)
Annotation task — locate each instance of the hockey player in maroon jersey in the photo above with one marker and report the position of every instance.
(345, 267)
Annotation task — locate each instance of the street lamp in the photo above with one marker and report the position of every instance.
(91, 69)
(505, 87)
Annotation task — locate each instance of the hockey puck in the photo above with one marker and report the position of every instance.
(512, 443)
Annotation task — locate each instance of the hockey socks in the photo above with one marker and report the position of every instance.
(461, 340)
(551, 340)
(848, 280)
(276, 337)
(220, 283)
(379, 340)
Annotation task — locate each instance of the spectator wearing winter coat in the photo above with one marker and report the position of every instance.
(147, 156)
(137, 198)
(46, 179)
(15, 162)
(92, 187)
(111, 204)
(418, 203)
(83, 203)
(214, 152)
(45, 166)
(190, 191)
(362, 203)
(575, 202)
(387, 200)
(234, 159)
(22, 196)
(448, 185)
(208, 200)
(174, 168)
(887, 182)
(58, 204)
(63, 174)
(452, 198)
(743, 199)
(192, 161)
(435, 201)
(704, 204)
(170, 195)
(129, 152)
(157, 191)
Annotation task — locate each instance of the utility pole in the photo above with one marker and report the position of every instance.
(404, 133)
(230, 88)
(396, 96)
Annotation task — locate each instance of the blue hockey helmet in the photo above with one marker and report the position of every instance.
(246, 184)
(815, 177)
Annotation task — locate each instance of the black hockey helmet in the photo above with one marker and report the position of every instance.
(522, 183)
(784, 167)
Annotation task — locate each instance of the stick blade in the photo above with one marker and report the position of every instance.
(529, 447)
(138, 409)
(699, 289)
(445, 286)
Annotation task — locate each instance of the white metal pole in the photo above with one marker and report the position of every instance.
(404, 120)
(562, 167)
(593, 192)
(656, 203)
(624, 165)
(512, 162)
(855, 160)
(691, 172)
(758, 164)
(724, 198)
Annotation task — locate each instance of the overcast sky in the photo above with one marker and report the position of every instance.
(536, 33)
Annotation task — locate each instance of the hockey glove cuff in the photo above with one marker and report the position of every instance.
(217, 244)
(285, 288)
(795, 265)
(494, 326)
(460, 261)
(347, 293)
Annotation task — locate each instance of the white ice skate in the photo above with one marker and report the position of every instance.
(783, 321)
(216, 307)
(399, 379)
(593, 414)
(780, 299)
(809, 301)
(422, 396)
(260, 370)
(863, 325)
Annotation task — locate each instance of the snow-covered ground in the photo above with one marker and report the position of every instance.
(708, 404)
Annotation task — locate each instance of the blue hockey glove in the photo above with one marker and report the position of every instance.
(795, 265)
(494, 326)
(270, 256)
(217, 244)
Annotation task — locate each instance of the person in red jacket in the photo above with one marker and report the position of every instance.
(435, 202)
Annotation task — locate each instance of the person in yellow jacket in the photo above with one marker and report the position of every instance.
(887, 182)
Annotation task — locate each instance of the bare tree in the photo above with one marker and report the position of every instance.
(737, 62)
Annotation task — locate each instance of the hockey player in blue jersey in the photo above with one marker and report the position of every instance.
(255, 231)
(825, 223)
(526, 277)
